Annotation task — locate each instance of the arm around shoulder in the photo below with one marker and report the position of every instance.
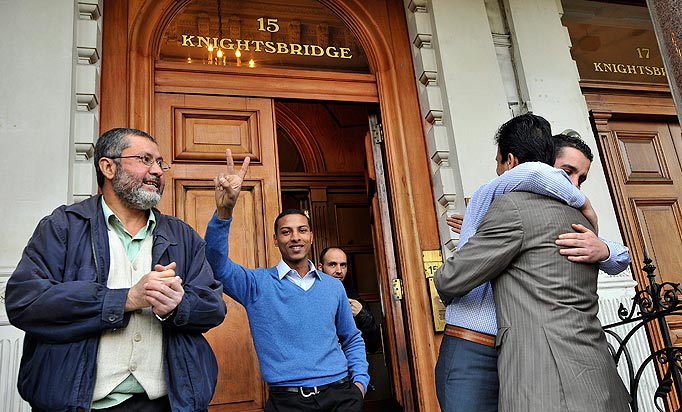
(542, 179)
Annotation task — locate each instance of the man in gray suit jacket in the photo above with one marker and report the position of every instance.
(552, 351)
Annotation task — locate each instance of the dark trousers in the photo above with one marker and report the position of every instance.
(140, 403)
(466, 376)
(344, 397)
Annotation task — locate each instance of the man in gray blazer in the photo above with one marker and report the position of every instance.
(552, 351)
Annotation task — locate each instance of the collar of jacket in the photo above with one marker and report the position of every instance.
(91, 210)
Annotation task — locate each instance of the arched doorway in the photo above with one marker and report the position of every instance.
(196, 111)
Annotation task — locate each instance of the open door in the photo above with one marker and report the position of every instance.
(397, 354)
(194, 131)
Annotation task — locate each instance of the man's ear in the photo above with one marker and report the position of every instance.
(512, 160)
(108, 167)
(319, 266)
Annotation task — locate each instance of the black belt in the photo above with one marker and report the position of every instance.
(307, 392)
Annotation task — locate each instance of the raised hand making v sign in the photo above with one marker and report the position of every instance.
(228, 185)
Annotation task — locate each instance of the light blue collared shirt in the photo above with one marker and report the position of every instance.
(306, 282)
(476, 309)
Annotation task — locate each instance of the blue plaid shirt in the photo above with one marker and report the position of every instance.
(476, 309)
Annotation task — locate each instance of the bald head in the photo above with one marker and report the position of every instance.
(334, 262)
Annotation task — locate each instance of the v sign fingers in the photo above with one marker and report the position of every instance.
(245, 167)
(229, 161)
(228, 185)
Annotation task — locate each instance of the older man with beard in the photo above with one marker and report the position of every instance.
(114, 296)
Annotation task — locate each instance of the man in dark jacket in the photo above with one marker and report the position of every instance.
(114, 296)
(334, 262)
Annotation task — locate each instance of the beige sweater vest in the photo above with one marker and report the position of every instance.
(138, 348)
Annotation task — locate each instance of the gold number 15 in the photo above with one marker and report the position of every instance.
(267, 25)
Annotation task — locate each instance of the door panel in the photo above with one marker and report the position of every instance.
(659, 223)
(645, 177)
(239, 383)
(203, 133)
(194, 131)
(643, 158)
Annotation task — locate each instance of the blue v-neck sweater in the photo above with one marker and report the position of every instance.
(302, 338)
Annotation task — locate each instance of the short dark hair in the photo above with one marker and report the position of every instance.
(565, 140)
(528, 137)
(111, 144)
(327, 249)
(290, 212)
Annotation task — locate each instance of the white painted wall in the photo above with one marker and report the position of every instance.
(475, 103)
(36, 84)
(462, 98)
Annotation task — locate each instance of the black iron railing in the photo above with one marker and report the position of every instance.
(650, 307)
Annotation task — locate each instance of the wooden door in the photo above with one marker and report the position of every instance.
(384, 250)
(644, 171)
(193, 133)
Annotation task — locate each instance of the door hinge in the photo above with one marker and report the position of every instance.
(376, 129)
(397, 286)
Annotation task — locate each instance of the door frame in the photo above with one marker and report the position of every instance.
(130, 77)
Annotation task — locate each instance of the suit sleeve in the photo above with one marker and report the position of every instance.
(496, 243)
(202, 307)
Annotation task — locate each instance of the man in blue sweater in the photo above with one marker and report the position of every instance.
(310, 352)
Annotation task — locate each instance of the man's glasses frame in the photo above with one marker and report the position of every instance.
(146, 160)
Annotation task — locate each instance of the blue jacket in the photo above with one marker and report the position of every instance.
(58, 296)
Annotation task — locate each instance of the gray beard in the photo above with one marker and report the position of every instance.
(131, 192)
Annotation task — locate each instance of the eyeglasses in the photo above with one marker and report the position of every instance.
(146, 160)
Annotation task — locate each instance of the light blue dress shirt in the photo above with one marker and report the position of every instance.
(476, 309)
(306, 282)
